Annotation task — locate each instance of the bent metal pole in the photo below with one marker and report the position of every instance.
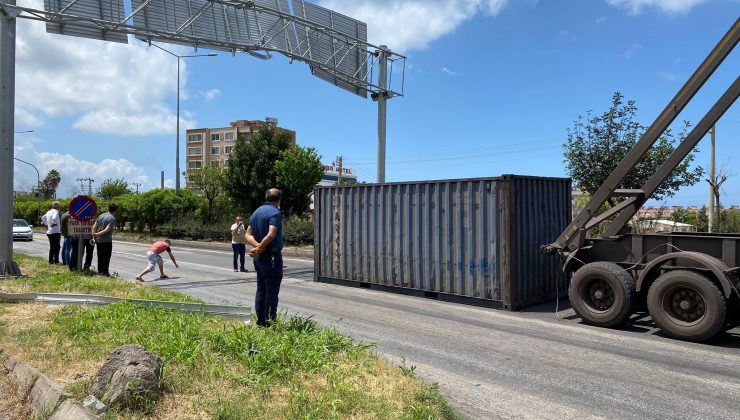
(7, 110)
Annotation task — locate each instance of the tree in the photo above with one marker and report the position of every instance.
(596, 145)
(252, 169)
(683, 215)
(702, 220)
(113, 188)
(50, 183)
(210, 182)
(715, 183)
(298, 171)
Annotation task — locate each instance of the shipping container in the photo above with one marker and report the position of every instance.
(472, 240)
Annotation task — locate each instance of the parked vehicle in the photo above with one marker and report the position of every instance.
(22, 230)
(688, 281)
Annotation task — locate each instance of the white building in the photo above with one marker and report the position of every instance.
(331, 176)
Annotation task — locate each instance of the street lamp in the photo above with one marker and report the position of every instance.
(38, 184)
(23, 132)
(177, 153)
(38, 175)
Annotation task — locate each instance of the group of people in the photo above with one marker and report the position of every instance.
(263, 234)
(57, 227)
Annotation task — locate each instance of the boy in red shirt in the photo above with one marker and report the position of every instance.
(155, 259)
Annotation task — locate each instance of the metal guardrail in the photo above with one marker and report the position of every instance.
(239, 312)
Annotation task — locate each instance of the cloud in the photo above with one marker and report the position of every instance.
(668, 77)
(600, 19)
(449, 72)
(70, 168)
(629, 52)
(406, 25)
(108, 87)
(672, 6)
(25, 118)
(210, 94)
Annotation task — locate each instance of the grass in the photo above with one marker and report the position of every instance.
(42, 277)
(216, 368)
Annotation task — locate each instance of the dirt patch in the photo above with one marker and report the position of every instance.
(11, 407)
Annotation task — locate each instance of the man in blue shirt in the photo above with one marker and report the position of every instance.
(265, 235)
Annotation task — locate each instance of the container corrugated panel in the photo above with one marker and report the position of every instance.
(444, 237)
(540, 211)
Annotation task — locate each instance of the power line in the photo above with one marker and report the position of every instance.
(519, 146)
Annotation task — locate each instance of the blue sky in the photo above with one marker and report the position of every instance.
(491, 88)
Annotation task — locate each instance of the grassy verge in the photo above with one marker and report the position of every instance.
(213, 368)
(42, 277)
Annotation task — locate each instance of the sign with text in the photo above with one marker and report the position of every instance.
(82, 207)
(80, 228)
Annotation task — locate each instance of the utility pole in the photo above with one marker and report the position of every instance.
(340, 168)
(8, 267)
(161, 179)
(711, 183)
(137, 185)
(382, 97)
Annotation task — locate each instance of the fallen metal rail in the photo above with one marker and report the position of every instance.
(229, 311)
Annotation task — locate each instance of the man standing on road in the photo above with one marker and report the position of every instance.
(53, 221)
(103, 237)
(265, 235)
(155, 259)
(67, 247)
(238, 245)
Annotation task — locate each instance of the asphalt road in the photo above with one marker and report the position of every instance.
(489, 363)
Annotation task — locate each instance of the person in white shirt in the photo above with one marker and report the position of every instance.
(53, 221)
(238, 243)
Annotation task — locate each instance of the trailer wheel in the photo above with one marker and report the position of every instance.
(687, 305)
(602, 294)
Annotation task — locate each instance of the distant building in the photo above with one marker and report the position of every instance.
(213, 146)
(331, 176)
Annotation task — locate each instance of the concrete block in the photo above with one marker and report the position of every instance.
(45, 396)
(8, 361)
(95, 405)
(71, 411)
(25, 376)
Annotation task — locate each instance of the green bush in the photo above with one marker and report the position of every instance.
(194, 230)
(31, 211)
(297, 231)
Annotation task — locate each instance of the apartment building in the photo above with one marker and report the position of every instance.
(212, 146)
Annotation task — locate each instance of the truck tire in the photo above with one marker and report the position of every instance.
(602, 294)
(687, 305)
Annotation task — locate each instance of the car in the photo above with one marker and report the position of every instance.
(21, 230)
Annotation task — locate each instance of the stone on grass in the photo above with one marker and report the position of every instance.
(131, 377)
(95, 405)
(25, 376)
(45, 396)
(71, 411)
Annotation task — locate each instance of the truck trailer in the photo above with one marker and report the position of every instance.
(688, 281)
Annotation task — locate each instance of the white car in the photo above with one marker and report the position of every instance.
(21, 230)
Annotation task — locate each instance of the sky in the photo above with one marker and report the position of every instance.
(491, 87)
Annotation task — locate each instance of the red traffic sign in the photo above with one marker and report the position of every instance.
(83, 208)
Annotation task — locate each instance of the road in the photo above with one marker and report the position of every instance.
(489, 363)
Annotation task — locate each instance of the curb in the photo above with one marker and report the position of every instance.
(215, 246)
(47, 398)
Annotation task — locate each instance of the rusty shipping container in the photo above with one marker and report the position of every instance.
(472, 240)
